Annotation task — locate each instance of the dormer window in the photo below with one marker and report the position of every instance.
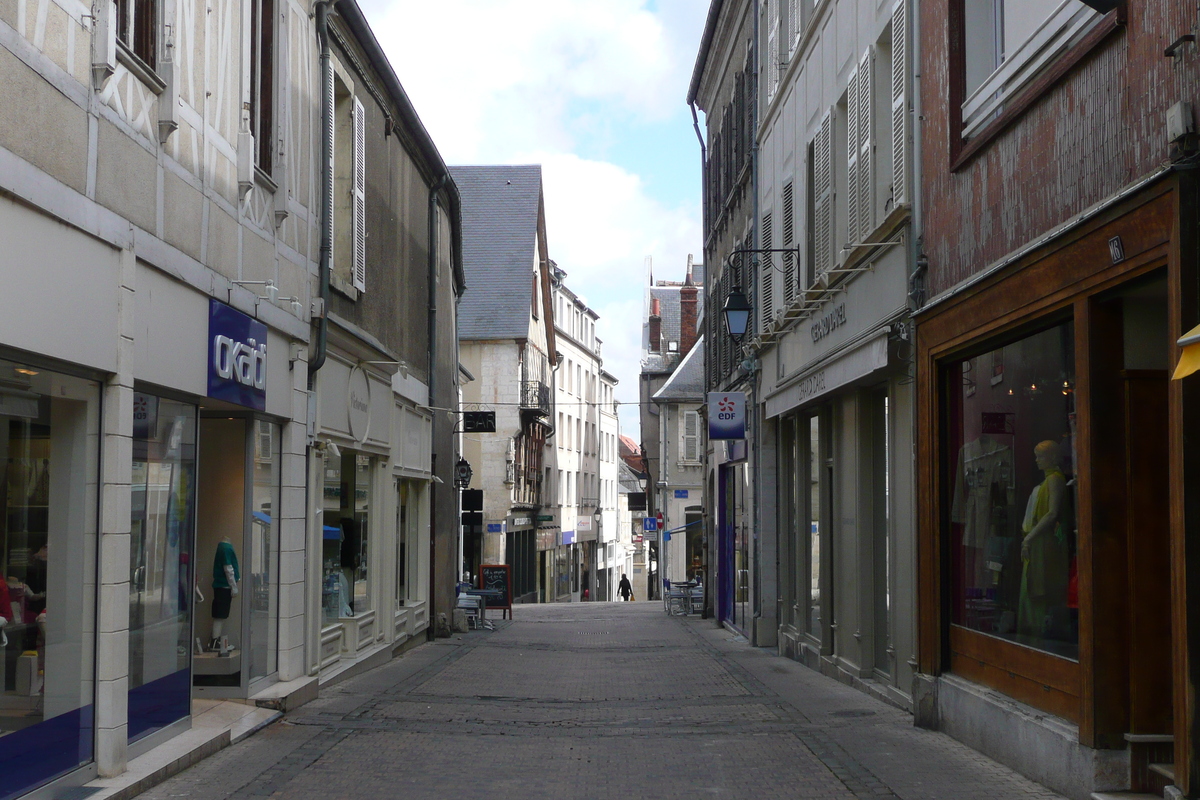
(672, 347)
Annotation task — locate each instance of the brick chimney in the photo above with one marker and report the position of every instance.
(687, 312)
(655, 326)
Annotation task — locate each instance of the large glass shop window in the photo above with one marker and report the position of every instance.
(161, 583)
(264, 550)
(1012, 530)
(49, 473)
(346, 591)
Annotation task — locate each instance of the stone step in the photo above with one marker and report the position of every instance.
(1125, 796)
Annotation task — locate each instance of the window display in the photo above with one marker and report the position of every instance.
(345, 590)
(1011, 435)
(49, 484)
(161, 583)
(263, 551)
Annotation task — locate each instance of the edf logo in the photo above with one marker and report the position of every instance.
(726, 415)
(725, 408)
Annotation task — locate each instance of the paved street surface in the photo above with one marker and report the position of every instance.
(596, 700)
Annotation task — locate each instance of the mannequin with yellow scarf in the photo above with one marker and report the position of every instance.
(1044, 558)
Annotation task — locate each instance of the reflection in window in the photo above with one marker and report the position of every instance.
(49, 472)
(264, 551)
(346, 504)
(1012, 535)
(160, 578)
(814, 525)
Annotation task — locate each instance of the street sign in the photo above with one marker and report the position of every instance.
(681, 494)
(726, 415)
(649, 524)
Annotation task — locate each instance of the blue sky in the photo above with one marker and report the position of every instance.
(595, 91)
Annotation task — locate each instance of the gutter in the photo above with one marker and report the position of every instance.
(710, 29)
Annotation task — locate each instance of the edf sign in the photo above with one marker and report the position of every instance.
(726, 415)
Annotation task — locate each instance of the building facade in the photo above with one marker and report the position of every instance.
(508, 342)
(671, 430)
(158, 408)
(1056, 522)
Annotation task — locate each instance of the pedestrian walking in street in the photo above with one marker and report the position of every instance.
(625, 588)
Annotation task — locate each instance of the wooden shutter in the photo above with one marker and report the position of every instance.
(691, 436)
(767, 293)
(822, 197)
(866, 151)
(793, 25)
(360, 197)
(899, 104)
(852, 150)
(789, 260)
(331, 132)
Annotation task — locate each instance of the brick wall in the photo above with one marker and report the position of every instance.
(1097, 130)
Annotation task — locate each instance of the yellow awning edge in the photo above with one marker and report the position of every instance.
(1189, 359)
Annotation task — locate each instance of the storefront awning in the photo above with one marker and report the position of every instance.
(1189, 360)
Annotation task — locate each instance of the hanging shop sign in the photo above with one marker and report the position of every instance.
(726, 415)
(358, 403)
(237, 357)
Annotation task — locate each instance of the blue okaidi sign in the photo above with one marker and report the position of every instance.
(237, 357)
(726, 415)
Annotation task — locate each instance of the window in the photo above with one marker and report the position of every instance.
(349, 185)
(262, 82)
(770, 61)
(690, 446)
(789, 260)
(534, 294)
(1006, 44)
(49, 449)
(1012, 534)
(137, 29)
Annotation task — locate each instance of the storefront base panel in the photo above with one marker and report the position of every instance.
(1042, 747)
(799, 648)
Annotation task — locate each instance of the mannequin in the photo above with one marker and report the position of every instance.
(1044, 548)
(226, 575)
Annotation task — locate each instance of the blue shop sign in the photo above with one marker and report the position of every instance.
(237, 357)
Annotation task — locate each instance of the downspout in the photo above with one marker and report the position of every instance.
(433, 265)
(312, 649)
(917, 292)
(753, 417)
(709, 529)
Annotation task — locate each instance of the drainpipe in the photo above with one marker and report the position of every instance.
(752, 417)
(312, 649)
(433, 264)
(916, 299)
(709, 531)
(318, 359)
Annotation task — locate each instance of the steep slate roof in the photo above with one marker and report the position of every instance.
(687, 381)
(668, 301)
(501, 207)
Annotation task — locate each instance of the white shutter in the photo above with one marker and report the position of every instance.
(822, 197)
(866, 150)
(789, 259)
(691, 436)
(766, 300)
(331, 132)
(793, 26)
(360, 196)
(771, 61)
(899, 104)
(852, 150)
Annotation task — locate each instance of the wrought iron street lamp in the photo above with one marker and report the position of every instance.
(737, 313)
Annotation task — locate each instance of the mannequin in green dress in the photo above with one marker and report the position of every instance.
(1044, 548)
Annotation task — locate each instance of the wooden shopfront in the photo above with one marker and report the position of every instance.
(1054, 527)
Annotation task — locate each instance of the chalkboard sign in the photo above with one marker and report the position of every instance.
(497, 578)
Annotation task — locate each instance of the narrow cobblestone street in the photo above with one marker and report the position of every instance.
(596, 700)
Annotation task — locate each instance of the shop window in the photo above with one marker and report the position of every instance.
(813, 549)
(1012, 530)
(407, 561)
(161, 582)
(346, 503)
(263, 551)
(49, 482)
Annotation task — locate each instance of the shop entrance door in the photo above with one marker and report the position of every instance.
(237, 556)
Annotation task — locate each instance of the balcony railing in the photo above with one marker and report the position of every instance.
(535, 397)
